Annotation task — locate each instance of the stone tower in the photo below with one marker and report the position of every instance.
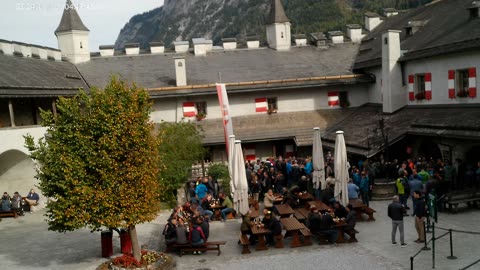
(278, 27)
(72, 36)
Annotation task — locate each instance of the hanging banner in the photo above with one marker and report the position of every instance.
(225, 109)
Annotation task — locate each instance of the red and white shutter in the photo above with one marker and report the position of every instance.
(472, 82)
(428, 86)
(411, 93)
(333, 99)
(451, 83)
(189, 109)
(261, 105)
(250, 153)
(289, 150)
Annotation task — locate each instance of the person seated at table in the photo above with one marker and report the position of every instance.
(340, 210)
(32, 199)
(170, 232)
(268, 200)
(271, 223)
(313, 220)
(353, 190)
(6, 205)
(181, 232)
(17, 203)
(246, 227)
(303, 184)
(196, 235)
(351, 218)
(227, 203)
(292, 198)
(327, 194)
(326, 227)
(205, 226)
(206, 205)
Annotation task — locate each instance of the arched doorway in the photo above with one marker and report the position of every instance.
(473, 156)
(17, 172)
(429, 149)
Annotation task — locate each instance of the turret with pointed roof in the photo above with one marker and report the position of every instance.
(72, 36)
(278, 27)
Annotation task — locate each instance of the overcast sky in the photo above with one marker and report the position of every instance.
(35, 21)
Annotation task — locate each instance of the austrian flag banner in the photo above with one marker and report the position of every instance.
(225, 108)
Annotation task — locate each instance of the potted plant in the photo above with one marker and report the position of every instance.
(201, 115)
(420, 96)
(462, 93)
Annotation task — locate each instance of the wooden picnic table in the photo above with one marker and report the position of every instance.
(340, 225)
(299, 215)
(260, 232)
(360, 208)
(292, 225)
(305, 196)
(320, 205)
(216, 211)
(284, 210)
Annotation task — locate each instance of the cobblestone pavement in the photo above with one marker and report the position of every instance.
(25, 244)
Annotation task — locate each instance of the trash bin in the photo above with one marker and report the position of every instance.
(107, 243)
(125, 241)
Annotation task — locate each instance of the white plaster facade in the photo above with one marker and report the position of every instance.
(279, 36)
(74, 45)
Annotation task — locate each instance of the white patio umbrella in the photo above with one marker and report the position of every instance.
(231, 146)
(341, 170)
(317, 161)
(240, 195)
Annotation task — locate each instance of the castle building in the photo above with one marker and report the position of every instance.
(403, 86)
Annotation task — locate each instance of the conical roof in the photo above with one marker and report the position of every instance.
(277, 13)
(70, 20)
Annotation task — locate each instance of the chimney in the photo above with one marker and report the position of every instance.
(201, 46)
(229, 43)
(354, 32)
(22, 49)
(39, 52)
(389, 12)
(393, 95)
(474, 10)
(6, 47)
(157, 47)
(319, 40)
(253, 42)
(181, 46)
(372, 20)
(336, 37)
(300, 39)
(180, 71)
(107, 50)
(132, 48)
(54, 55)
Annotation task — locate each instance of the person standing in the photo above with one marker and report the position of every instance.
(420, 212)
(396, 212)
(364, 188)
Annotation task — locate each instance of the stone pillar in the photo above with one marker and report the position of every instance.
(10, 110)
(54, 109)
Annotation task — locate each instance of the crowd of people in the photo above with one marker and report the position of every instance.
(18, 203)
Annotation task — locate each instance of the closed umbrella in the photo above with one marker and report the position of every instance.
(341, 169)
(240, 195)
(318, 163)
(231, 146)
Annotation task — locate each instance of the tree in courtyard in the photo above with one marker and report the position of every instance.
(99, 162)
(220, 171)
(180, 145)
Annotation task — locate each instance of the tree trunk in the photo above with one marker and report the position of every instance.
(135, 246)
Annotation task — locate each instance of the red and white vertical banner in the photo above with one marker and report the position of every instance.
(189, 109)
(411, 93)
(226, 116)
(472, 82)
(428, 86)
(333, 99)
(250, 153)
(451, 83)
(261, 105)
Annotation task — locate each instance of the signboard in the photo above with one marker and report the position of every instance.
(432, 206)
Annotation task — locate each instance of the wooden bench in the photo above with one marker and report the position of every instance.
(202, 247)
(245, 243)
(307, 236)
(351, 233)
(278, 241)
(454, 199)
(8, 214)
(369, 211)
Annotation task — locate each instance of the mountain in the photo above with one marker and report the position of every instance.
(216, 19)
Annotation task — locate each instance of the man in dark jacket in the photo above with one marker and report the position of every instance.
(326, 227)
(420, 213)
(396, 212)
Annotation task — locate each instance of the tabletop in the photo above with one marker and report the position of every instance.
(306, 196)
(320, 205)
(291, 224)
(284, 209)
(259, 230)
(356, 203)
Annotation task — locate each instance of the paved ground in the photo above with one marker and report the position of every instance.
(25, 243)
